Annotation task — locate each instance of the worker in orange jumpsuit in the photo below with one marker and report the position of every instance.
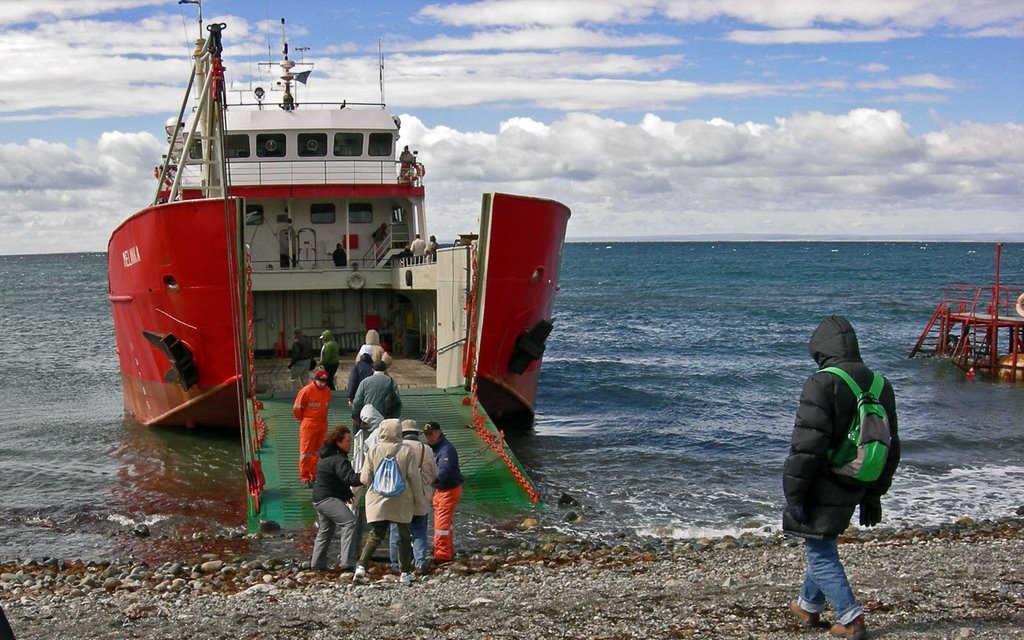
(447, 490)
(310, 409)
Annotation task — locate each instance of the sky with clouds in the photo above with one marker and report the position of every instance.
(648, 118)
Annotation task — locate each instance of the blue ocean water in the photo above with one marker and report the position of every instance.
(666, 404)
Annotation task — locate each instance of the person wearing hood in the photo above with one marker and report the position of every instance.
(371, 345)
(379, 391)
(366, 436)
(819, 502)
(418, 527)
(310, 409)
(333, 499)
(361, 370)
(382, 510)
(329, 356)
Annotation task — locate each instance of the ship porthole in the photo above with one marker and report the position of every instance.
(171, 283)
(312, 145)
(356, 280)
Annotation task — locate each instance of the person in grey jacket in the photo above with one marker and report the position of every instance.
(380, 391)
(819, 502)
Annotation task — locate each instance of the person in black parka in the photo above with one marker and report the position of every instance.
(820, 503)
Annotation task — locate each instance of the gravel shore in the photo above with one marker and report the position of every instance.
(964, 580)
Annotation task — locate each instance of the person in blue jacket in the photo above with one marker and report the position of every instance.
(447, 490)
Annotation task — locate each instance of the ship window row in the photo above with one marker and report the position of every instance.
(342, 144)
(319, 213)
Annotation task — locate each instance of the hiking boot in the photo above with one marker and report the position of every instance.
(407, 578)
(359, 575)
(855, 630)
(808, 620)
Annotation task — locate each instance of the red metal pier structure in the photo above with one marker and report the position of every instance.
(979, 329)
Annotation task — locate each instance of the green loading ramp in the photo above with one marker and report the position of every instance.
(489, 482)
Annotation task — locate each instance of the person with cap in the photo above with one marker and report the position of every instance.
(301, 353)
(418, 526)
(383, 510)
(820, 502)
(310, 409)
(380, 391)
(333, 499)
(447, 490)
(330, 356)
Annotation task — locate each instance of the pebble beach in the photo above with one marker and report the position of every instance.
(961, 580)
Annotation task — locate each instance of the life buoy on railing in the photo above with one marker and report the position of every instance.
(356, 280)
(1020, 305)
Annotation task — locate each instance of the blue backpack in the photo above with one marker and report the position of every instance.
(387, 479)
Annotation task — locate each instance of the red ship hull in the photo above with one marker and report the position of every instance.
(520, 274)
(172, 282)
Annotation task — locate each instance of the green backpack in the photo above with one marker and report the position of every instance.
(862, 454)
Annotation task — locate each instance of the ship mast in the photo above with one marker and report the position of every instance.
(206, 130)
(287, 101)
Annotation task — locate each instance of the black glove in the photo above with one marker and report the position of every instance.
(870, 511)
(796, 511)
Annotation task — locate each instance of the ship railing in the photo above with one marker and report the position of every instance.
(281, 172)
(977, 300)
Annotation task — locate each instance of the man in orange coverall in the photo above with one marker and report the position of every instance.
(310, 409)
(447, 490)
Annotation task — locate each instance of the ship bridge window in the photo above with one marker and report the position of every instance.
(270, 145)
(381, 144)
(321, 213)
(360, 212)
(253, 215)
(312, 145)
(237, 146)
(348, 144)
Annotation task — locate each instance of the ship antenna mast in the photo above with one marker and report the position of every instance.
(380, 56)
(288, 101)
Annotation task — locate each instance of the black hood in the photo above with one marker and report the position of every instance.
(834, 341)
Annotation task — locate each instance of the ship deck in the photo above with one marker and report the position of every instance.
(490, 483)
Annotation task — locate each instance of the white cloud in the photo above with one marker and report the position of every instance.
(873, 67)
(819, 36)
(60, 198)
(14, 12)
(776, 14)
(533, 38)
(810, 173)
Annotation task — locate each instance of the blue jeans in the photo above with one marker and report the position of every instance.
(826, 580)
(418, 527)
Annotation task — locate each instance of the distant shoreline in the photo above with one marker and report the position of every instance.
(712, 238)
